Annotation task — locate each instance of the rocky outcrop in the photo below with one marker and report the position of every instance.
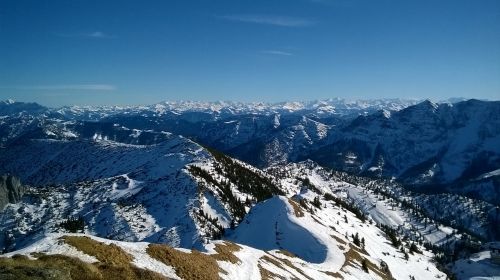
(11, 190)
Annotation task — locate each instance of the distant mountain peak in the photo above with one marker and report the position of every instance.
(424, 107)
(429, 104)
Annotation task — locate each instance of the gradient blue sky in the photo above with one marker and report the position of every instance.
(61, 52)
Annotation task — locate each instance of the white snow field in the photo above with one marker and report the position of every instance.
(275, 227)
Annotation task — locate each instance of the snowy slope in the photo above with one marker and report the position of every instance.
(178, 193)
(478, 266)
(248, 263)
(423, 144)
(431, 217)
(277, 229)
(126, 192)
(324, 251)
(318, 235)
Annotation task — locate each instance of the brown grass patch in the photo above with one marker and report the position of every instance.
(281, 263)
(114, 263)
(270, 259)
(318, 221)
(353, 256)
(47, 267)
(290, 264)
(333, 274)
(60, 267)
(286, 253)
(268, 275)
(339, 240)
(194, 265)
(108, 254)
(225, 252)
(297, 210)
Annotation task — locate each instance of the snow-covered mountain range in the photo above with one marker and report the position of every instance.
(222, 109)
(446, 146)
(380, 189)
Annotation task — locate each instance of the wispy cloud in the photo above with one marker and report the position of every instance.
(271, 20)
(344, 3)
(276, 52)
(98, 34)
(91, 35)
(88, 87)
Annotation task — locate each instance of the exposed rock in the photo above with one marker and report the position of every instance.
(11, 190)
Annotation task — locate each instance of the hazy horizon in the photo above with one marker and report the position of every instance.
(123, 52)
(269, 103)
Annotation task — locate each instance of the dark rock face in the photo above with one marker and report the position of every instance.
(11, 190)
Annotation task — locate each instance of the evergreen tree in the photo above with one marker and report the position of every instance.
(73, 224)
(316, 202)
(364, 265)
(355, 240)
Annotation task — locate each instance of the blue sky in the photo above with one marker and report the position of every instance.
(140, 52)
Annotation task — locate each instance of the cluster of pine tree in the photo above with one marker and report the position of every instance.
(237, 207)
(259, 187)
(357, 241)
(73, 224)
(214, 229)
(246, 180)
(452, 251)
(307, 183)
(316, 202)
(427, 209)
(347, 205)
(414, 249)
(391, 234)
